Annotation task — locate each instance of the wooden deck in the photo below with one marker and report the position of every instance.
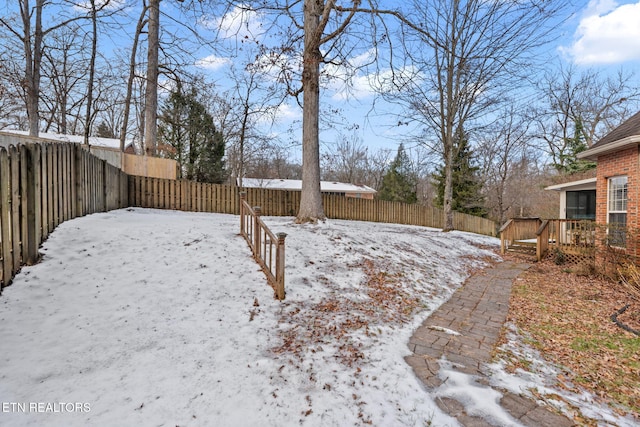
(572, 239)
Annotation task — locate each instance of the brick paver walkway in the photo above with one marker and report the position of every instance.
(477, 312)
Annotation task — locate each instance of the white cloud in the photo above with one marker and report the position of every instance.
(287, 112)
(346, 81)
(362, 86)
(600, 7)
(239, 23)
(213, 62)
(608, 33)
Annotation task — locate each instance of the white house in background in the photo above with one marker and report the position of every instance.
(577, 199)
(326, 187)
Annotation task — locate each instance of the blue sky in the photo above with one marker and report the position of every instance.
(601, 34)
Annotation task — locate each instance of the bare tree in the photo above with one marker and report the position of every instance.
(327, 30)
(249, 108)
(63, 73)
(32, 35)
(597, 103)
(92, 69)
(9, 101)
(33, 56)
(13, 99)
(347, 161)
(132, 75)
(465, 57)
(500, 152)
(378, 162)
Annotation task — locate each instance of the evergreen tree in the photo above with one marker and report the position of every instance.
(467, 188)
(191, 135)
(399, 183)
(104, 131)
(569, 163)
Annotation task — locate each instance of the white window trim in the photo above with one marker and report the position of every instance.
(609, 211)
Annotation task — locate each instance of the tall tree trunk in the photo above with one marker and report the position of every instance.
(33, 59)
(151, 90)
(92, 71)
(243, 132)
(132, 74)
(311, 208)
(450, 110)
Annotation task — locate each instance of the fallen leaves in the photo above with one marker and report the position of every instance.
(567, 318)
(333, 319)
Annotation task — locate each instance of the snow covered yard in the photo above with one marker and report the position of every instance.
(146, 317)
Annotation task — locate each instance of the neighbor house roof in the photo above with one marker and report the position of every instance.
(583, 184)
(296, 184)
(112, 143)
(626, 135)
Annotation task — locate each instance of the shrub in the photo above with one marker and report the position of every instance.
(630, 279)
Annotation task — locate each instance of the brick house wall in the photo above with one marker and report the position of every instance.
(624, 162)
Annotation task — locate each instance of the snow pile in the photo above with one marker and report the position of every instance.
(146, 317)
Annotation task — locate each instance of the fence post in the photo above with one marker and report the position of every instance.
(280, 266)
(243, 197)
(256, 232)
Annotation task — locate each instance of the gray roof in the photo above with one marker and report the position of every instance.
(624, 136)
(628, 128)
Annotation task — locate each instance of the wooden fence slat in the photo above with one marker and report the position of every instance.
(16, 247)
(204, 197)
(44, 188)
(24, 202)
(55, 188)
(6, 273)
(43, 185)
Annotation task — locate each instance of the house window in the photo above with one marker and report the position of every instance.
(581, 204)
(617, 210)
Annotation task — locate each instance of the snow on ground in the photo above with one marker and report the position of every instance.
(544, 379)
(146, 317)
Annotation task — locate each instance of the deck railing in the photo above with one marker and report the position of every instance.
(570, 236)
(267, 247)
(542, 244)
(518, 230)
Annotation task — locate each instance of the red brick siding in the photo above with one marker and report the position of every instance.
(625, 162)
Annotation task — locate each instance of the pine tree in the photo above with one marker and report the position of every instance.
(569, 163)
(187, 127)
(399, 183)
(104, 131)
(467, 188)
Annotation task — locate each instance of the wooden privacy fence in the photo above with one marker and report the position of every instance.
(43, 185)
(268, 248)
(201, 197)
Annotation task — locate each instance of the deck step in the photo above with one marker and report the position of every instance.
(522, 248)
(528, 251)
